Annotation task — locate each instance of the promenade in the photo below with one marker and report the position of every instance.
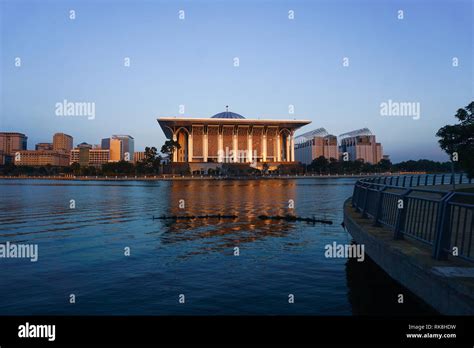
(425, 243)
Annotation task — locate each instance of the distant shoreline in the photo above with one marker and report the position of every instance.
(170, 177)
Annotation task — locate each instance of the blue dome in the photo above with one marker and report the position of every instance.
(227, 114)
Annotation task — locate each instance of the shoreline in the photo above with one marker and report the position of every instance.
(170, 177)
(411, 263)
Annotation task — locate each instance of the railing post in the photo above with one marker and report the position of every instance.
(379, 206)
(460, 178)
(434, 180)
(354, 194)
(426, 180)
(397, 181)
(442, 179)
(418, 181)
(364, 209)
(404, 181)
(411, 181)
(443, 229)
(401, 216)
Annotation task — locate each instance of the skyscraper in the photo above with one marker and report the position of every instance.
(314, 144)
(116, 150)
(84, 153)
(127, 147)
(11, 142)
(62, 142)
(361, 145)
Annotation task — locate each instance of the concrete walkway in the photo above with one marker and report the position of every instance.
(448, 286)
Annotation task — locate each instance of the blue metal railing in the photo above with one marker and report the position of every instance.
(421, 180)
(441, 219)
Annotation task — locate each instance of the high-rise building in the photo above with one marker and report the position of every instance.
(116, 150)
(126, 147)
(361, 145)
(83, 153)
(314, 144)
(105, 143)
(86, 155)
(62, 142)
(10, 143)
(44, 146)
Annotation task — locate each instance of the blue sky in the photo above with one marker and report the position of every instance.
(190, 62)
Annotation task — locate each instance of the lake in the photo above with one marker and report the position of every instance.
(83, 228)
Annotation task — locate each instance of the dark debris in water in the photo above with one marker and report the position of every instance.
(261, 217)
(192, 217)
(294, 218)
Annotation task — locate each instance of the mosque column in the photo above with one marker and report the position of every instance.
(249, 148)
(292, 148)
(175, 151)
(278, 152)
(288, 148)
(264, 147)
(204, 145)
(220, 147)
(235, 147)
(190, 147)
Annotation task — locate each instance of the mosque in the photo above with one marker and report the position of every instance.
(228, 137)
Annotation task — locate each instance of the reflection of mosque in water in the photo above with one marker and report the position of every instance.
(223, 197)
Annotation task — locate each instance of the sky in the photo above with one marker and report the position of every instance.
(282, 62)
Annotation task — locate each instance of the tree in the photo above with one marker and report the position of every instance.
(169, 147)
(319, 164)
(458, 139)
(8, 168)
(334, 166)
(150, 163)
(118, 168)
(384, 165)
(76, 168)
(150, 155)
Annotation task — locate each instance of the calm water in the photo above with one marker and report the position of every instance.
(81, 250)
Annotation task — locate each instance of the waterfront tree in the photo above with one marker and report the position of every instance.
(169, 147)
(458, 139)
(319, 165)
(150, 163)
(118, 168)
(384, 165)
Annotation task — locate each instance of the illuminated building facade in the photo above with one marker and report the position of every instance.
(314, 144)
(228, 137)
(361, 145)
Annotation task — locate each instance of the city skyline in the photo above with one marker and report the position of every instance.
(262, 165)
(188, 65)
